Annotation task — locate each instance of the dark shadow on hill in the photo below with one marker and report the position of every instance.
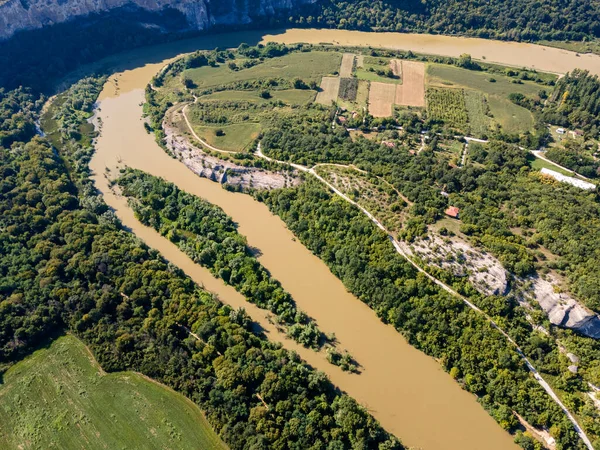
(102, 43)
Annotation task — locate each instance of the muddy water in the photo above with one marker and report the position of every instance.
(404, 389)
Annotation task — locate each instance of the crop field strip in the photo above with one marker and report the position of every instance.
(412, 90)
(330, 88)
(477, 112)
(448, 105)
(348, 89)
(347, 65)
(381, 99)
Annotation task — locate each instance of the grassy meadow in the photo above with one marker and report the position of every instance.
(59, 398)
(309, 66)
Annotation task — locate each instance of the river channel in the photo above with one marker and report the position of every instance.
(404, 389)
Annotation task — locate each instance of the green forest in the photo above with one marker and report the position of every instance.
(65, 264)
(209, 237)
(497, 19)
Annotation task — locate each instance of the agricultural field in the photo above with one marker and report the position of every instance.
(412, 90)
(309, 66)
(448, 105)
(477, 112)
(379, 70)
(347, 65)
(369, 191)
(330, 88)
(443, 75)
(512, 118)
(288, 96)
(60, 398)
(236, 137)
(381, 99)
(348, 89)
(360, 103)
(492, 106)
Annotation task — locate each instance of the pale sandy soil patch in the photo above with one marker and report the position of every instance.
(347, 66)
(381, 99)
(412, 90)
(330, 88)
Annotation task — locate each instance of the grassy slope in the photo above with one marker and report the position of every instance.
(60, 398)
(539, 164)
(308, 66)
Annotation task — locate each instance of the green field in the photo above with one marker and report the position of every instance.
(445, 75)
(305, 65)
(481, 95)
(289, 96)
(539, 164)
(59, 398)
(363, 74)
(477, 109)
(237, 137)
(512, 118)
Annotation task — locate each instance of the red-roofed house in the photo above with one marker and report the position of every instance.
(452, 211)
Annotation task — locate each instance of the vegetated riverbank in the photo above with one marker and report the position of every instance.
(67, 264)
(430, 396)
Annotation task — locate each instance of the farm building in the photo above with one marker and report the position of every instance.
(452, 211)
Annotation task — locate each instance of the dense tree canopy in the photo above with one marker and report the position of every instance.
(66, 265)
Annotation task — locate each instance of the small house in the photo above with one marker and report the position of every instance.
(560, 130)
(452, 211)
(388, 144)
(342, 119)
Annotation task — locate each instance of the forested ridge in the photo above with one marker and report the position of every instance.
(66, 265)
(515, 20)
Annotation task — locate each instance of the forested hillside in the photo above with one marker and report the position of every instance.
(515, 20)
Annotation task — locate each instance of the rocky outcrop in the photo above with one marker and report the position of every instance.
(216, 169)
(461, 259)
(563, 310)
(18, 15)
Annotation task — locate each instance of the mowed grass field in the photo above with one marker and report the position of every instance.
(539, 164)
(237, 136)
(305, 65)
(59, 398)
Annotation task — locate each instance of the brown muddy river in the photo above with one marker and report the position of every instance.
(404, 389)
